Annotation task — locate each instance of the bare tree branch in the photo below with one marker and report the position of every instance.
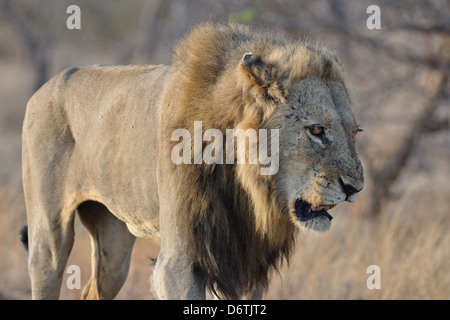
(434, 29)
(400, 55)
(384, 178)
(149, 30)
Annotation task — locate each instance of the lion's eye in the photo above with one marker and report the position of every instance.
(316, 130)
(356, 132)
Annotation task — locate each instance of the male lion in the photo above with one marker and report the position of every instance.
(97, 140)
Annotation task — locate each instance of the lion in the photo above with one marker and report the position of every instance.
(97, 141)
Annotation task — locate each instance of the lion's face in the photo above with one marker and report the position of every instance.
(319, 166)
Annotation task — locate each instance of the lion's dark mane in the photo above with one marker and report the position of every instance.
(217, 213)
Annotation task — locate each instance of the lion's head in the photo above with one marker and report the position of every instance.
(319, 167)
(301, 92)
(239, 222)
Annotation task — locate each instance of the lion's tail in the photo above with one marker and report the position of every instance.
(23, 236)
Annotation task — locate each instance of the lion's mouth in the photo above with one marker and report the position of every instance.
(306, 211)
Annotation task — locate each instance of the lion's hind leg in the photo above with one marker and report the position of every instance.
(51, 239)
(49, 235)
(112, 245)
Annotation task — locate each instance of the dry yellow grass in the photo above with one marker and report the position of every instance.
(14, 281)
(411, 249)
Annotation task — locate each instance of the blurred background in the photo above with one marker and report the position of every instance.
(399, 75)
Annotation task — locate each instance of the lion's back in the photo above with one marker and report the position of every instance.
(78, 95)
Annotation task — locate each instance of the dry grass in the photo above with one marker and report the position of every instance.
(14, 281)
(410, 248)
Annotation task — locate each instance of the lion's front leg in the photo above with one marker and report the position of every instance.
(173, 276)
(174, 279)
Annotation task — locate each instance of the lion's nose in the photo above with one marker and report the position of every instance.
(348, 188)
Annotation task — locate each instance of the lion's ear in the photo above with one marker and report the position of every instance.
(261, 78)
